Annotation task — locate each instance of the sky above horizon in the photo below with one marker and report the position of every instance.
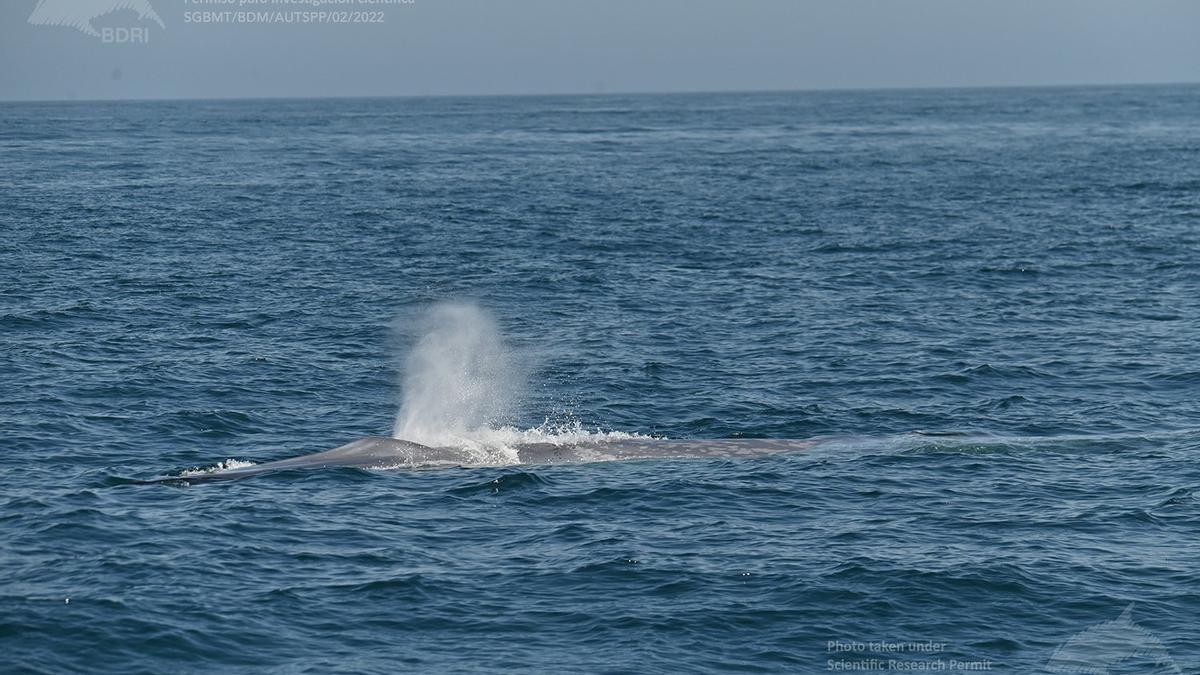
(77, 49)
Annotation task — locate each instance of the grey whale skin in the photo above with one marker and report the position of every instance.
(377, 452)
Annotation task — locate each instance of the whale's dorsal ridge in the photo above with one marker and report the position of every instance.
(364, 453)
(381, 452)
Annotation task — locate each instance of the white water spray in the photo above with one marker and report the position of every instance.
(460, 379)
(462, 383)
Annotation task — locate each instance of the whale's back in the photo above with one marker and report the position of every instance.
(378, 452)
(365, 453)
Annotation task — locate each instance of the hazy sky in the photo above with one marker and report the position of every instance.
(561, 46)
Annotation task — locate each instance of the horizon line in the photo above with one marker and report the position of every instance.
(680, 92)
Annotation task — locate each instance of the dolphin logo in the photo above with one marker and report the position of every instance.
(79, 14)
(377, 452)
(1095, 650)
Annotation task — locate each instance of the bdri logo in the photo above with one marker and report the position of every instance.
(79, 14)
(1105, 645)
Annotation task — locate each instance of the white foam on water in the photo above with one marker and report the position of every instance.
(219, 466)
(499, 445)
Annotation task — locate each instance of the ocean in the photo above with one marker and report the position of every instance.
(985, 303)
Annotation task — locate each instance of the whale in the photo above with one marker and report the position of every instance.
(378, 452)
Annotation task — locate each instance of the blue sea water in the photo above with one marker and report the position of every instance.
(989, 299)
